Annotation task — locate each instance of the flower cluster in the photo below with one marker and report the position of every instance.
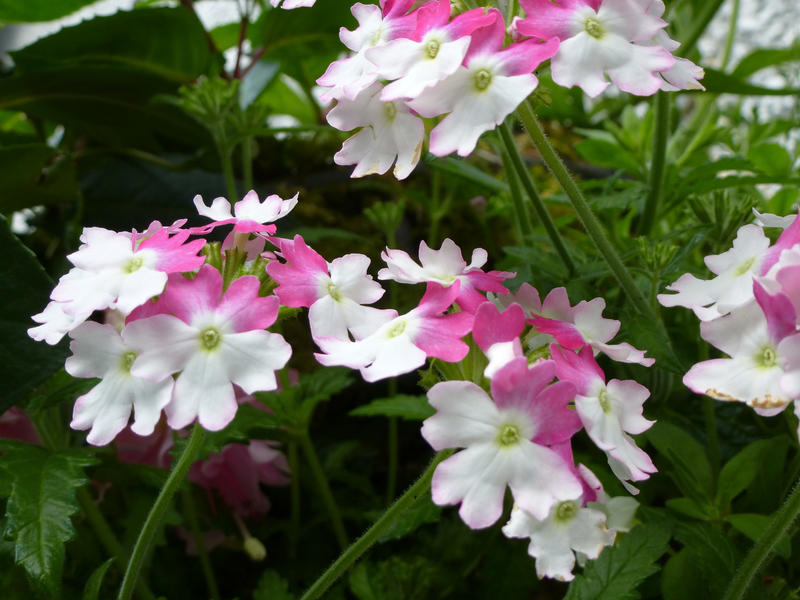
(406, 63)
(749, 311)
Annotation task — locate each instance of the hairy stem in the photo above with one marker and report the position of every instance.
(362, 544)
(661, 108)
(157, 511)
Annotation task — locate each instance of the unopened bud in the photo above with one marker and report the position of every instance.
(255, 549)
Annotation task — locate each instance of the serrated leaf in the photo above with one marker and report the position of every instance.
(271, 586)
(39, 509)
(711, 549)
(24, 290)
(608, 154)
(412, 408)
(620, 569)
(95, 581)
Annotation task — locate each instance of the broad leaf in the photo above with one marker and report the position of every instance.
(608, 154)
(620, 569)
(766, 57)
(717, 82)
(770, 158)
(24, 290)
(32, 174)
(412, 408)
(272, 586)
(39, 509)
(26, 11)
(740, 471)
(690, 468)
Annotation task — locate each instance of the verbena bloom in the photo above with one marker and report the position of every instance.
(99, 351)
(403, 343)
(214, 339)
(114, 270)
(249, 214)
(506, 439)
(446, 266)
(482, 92)
(497, 335)
(389, 134)
(599, 39)
(290, 4)
(334, 292)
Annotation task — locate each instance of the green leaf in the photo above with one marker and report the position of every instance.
(690, 508)
(257, 79)
(740, 471)
(423, 511)
(271, 586)
(690, 470)
(765, 57)
(26, 11)
(39, 509)
(753, 525)
(608, 154)
(24, 290)
(95, 581)
(32, 174)
(468, 172)
(412, 408)
(770, 158)
(619, 570)
(717, 82)
(60, 388)
(713, 551)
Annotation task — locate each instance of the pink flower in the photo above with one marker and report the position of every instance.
(214, 340)
(249, 214)
(497, 334)
(506, 441)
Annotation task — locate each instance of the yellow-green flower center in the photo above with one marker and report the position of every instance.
(605, 400)
(126, 361)
(768, 358)
(397, 329)
(389, 110)
(333, 292)
(482, 79)
(509, 435)
(566, 511)
(744, 267)
(432, 48)
(594, 28)
(134, 264)
(210, 338)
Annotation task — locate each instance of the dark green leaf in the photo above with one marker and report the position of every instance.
(423, 511)
(681, 576)
(608, 154)
(753, 525)
(717, 82)
(713, 551)
(690, 508)
(26, 11)
(257, 79)
(95, 581)
(39, 509)
(770, 158)
(24, 290)
(271, 586)
(412, 408)
(468, 172)
(689, 464)
(619, 570)
(32, 174)
(60, 388)
(740, 471)
(765, 57)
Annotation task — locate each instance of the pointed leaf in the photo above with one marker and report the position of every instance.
(412, 408)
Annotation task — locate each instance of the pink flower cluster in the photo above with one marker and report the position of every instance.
(410, 60)
(749, 311)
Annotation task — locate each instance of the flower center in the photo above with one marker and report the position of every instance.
(605, 401)
(333, 292)
(432, 48)
(566, 511)
(134, 264)
(389, 110)
(397, 329)
(126, 361)
(482, 79)
(594, 28)
(745, 267)
(210, 338)
(768, 358)
(509, 435)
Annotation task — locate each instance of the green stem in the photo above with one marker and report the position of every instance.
(584, 211)
(226, 158)
(391, 477)
(661, 108)
(711, 433)
(362, 544)
(205, 563)
(107, 538)
(247, 163)
(726, 56)
(763, 548)
(324, 489)
(700, 26)
(515, 190)
(294, 515)
(157, 511)
(697, 127)
(541, 210)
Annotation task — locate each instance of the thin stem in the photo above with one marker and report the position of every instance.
(225, 157)
(107, 538)
(661, 108)
(247, 163)
(157, 511)
(541, 210)
(700, 26)
(711, 433)
(294, 515)
(324, 490)
(763, 548)
(393, 443)
(514, 189)
(697, 127)
(584, 211)
(362, 544)
(726, 56)
(205, 563)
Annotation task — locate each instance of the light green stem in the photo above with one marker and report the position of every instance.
(247, 163)
(226, 158)
(726, 56)
(661, 108)
(520, 210)
(763, 548)
(584, 211)
(202, 553)
(362, 544)
(157, 511)
(324, 490)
